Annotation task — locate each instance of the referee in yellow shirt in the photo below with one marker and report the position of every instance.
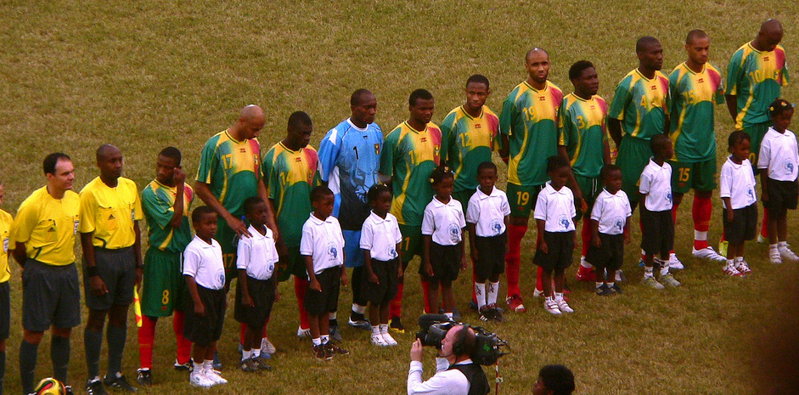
(43, 236)
(110, 210)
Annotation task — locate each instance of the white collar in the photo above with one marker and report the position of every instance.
(317, 221)
(354, 126)
(203, 243)
(376, 218)
(732, 162)
(256, 234)
(482, 195)
(552, 190)
(652, 161)
(439, 203)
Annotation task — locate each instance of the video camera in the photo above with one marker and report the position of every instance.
(434, 327)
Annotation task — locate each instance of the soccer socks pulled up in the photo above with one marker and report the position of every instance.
(92, 343)
(183, 344)
(539, 278)
(146, 337)
(513, 258)
(300, 284)
(116, 337)
(395, 306)
(480, 293)
(492, 292)
(586, 234)
(27, 365)
(764, 227)
(59, 354)
(701, 213)
(426, 297)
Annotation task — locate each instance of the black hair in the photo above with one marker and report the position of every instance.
(486, 165)
(534, 50)
(173, 153)
(358, 95)
(644, 42)
(319, 192)
(250, 203)
(737, 137)
(423, 94)
(465, 342)
(694, 34)
(778, 107)
(51, 160)
(558, 379)
(375, 191)
(198, 213)
(298, 118)
(658, 141)
(609, 168)
(555, 162)
(440, 173)
(577, 68)
(478, 79)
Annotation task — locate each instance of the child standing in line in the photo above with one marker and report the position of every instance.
(204, 272)
(487, 219)
(380, 241)
(442, 232)
(322, 247)
(739, 199)
(657, 225)
(610, 221)
(554, 217)
(778, 164)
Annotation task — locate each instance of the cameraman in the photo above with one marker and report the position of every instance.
(456, 374)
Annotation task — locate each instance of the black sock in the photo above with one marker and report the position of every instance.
(116, 336)
(27, 365)
(59, 353)
(92, 342)
(2, 369)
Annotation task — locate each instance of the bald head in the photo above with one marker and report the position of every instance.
(106, 151)
(109, 161)
(250, 112)
(769, 36)
(534, 51)
(250, 122)
(771, 26)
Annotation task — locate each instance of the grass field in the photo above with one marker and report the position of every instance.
(146, 74)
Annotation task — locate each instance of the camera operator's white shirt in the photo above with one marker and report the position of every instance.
(444, 382)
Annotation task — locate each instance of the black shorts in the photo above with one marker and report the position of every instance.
(384, 292)
(610, 256)
(50, 296)
(446, 261)
(117, 268)
(207, 328)
(561, 247)
(490, 255)
(262, 293)
(782, 196)
(318, 303)
(657, 232)
(743, 226)
(5, 310)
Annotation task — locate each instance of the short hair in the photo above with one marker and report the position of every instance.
(778, 107)
(737, 137)
(358, 95)
(658, 141)
(534, 50)
(298, 118)
(51, 160)
(465, 341)
(423, 94)
(558, 379)
(250, 203)
(172, 153)
(695, 34)
(609, 168)
(440, 173)
(486, 165)
(555, 162)
(644, 42)
(319, 192)
(198, 213)
(577, 68)
(375, 191)
(478, 79)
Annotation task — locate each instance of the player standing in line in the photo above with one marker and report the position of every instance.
(349, 158)
(5, 290)
(166, 202)
(411, 153)
(290, 169)
(110, 210)
(695, 86)
(755, 77)
(529, 136)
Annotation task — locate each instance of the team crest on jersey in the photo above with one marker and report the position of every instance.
(701, 80)
(243, 150)
(789, 166)
(496, 226)
(765, 58)
(478, 126)
(377, 149)
(564, 222)
(454, 233)
(750, 193)
(332, 251)
(619, 225)
(542, 98)
(668, 196)
(653, 87)
(392, 252)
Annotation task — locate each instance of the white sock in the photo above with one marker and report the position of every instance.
(480, 295)
(375, 330)
(325, 339)
(700, 235)
(739, 259)
(611, 284)
(245, 355)
(208, 365)
(358, 308)
(664, 270)
(648, 270)
(599, 284)
(493, 293)
(198, 367)
(585, 263)
(383, 328)
(558, 295)
(317, 341)
(730, 262)
(773, 246)
(782, 244)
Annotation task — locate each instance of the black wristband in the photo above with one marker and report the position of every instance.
(91, 271)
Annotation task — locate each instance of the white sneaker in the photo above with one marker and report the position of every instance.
(197, 379)
(377, 340)
(303, 333)
(675, 263)
(551, 306)
(743, 267)
(731, 270)
(708, 253)
(787, 255)
(387, 338)
(563, 306)
(267, 347)
(619, 276)
(774, 256)
(537, 293)
(213, 376)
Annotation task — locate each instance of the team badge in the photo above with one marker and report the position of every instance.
(377, 149)
(332, 251)
(668, 196)
(789, 166)
(564, 222)
(619, 225)
(454, 233)
(496, 227)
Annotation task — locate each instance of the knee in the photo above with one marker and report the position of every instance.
(32, 337)
(62, 332)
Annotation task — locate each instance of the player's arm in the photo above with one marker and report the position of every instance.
(137, 252)
(21, 230)
(621, 98)
(178, 207)
(614, 128)
(595, 240)
(542, 246)
(203, 190)
(88, 207)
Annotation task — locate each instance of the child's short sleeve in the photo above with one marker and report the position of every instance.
(541, 206)
(596, 212)
(763, 156)
(367, 236)
(306, 242)
(191, 262)
(397, 233)
(644, 183)
(243, 253)
(461, 219)
(473, 210)
(725, 182)
(428, 223)
(505, 206)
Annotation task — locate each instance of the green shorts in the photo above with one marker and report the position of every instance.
(700, 176)
(463, 197)
(163, 285)
(634, 155)
(291, 264)
(756, 133)
(522, 199)
(226, 238)
(411, 244)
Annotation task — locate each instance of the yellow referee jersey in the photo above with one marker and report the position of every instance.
(48, 226)
(110, 212)
(5, 228)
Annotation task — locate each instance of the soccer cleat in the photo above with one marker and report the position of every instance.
(214, 377)
(249, 365)
(585, 274)
(119, 382)
(396, 325)
(321, 353)
(267, 348)
(651, 282)
(486, 313)
(498, 314)
(563, 305)
(303, 333)
(335, 334)
(95, 387)
(186, 367)
(262, 362)
(669, 280)
(674, 262)
(743, 267)
(144, 377)
(707, 253)
(616, 289)
(732, 271)
(515, 304)
(197, 379)
(787, 255)
(388, 339)
(603, 290)
(774, 256)
(551, 306)
(537, 293)
(333, 348)
(723, 244)
(359, 322)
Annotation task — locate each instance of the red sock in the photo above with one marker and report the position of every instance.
(300, 284)
(539, 274)
(474, 280)
(263, 332)
(242, 331)
(513, 258)
(426, 297)
(395, 306)
(146, 340)
(764, 227)
(701, 211)
(184, 345)
(586, 235)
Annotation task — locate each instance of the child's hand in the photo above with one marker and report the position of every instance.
(314, 285)
(730, 215)
(345, 281)
(596, 241)
(428, 269)
(246, 300)
(543, 247)
(199, 309)
(373, 278)
(463, 262)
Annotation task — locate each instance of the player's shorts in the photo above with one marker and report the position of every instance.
(490, 255)
(657, 232)
(463, 197)
(50, 296)
(384, 292)
(590, 187)
(318, 303)
(634, 155)
(560, 246)
(446, 262)
(743, 226)
(522, 199)
(610, 256)
(782, 196)
(117, 268)
(756, 133)
(291, 264)
(5, 310)
(163, 284)
(226, 238)
(262, 293)
(353, 256)
(206, 328)
(700, 176)
(411, 244)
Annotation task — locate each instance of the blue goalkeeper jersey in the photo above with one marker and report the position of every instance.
(349, 159)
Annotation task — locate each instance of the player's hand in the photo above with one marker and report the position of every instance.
(314, 285)
(463, 262)
(139, 275)
(238, 226)
(596, 241)
(246, 300)
(345, 281)
(428, 269)
(417, 351)
(543, 247)
(179, 176)
(373, 278)
(730, 215)
(199, 309)
(97, 286)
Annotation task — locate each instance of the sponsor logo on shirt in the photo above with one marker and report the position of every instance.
(564, 221)
(496, 226)
(454, 233)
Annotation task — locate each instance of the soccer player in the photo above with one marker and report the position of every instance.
(582, 140)
(166, 202)
(5, 291)
(349, 158)
(110, 211)
(695, 86)
(755, 77)
(290, 168)
(411, 152)
(529, 126)
(43, 236)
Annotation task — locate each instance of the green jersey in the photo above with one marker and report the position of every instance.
(468, 141)
(756, 79)
(641, 104)
(582, 130)
(158, 202)
(692, 98)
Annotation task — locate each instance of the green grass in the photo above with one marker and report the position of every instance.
(146, 74)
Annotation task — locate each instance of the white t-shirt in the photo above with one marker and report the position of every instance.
(445, 222)
(488, 212)
(204, 262)
(380, 236)
(655, 183)
(257, 254)
(738, 184)
(778, 153)
(323, 241)
(611, 211)
(556, 208)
